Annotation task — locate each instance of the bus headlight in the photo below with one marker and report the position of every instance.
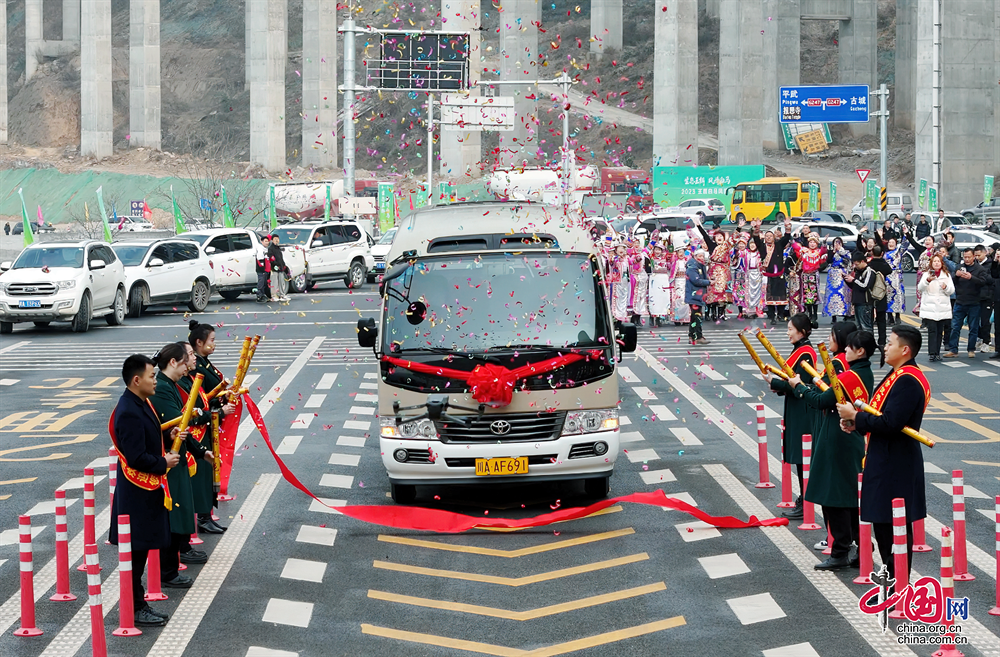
(419, 430)
(578, 422)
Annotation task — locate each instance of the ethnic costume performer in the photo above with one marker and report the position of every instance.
(894, 465)
(797, 420)
(171, 361)
(203, 481)
(639, 285)
(925, 248)
(838, 292)
(773, 261)
(680, 310)
(895, 294)
(142, 491)
(793, 276)
(720, 248)
(837, 454)
(618, 283)
(748, 279)
(811, 258)
(661, 282)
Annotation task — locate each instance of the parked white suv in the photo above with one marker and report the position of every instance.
(132, 225)
(234, 253)
(168, 271)
(380, 251)
(336, 250)
(62, 282)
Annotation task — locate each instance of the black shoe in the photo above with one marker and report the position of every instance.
(145, 618)
(194, 557)
(179, 582)
(161, 614)
(209, 527)
(794, 513)
(217, 525)
(833, 564)
(854, 557)
(995, 356)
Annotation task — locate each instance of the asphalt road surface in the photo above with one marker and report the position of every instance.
(290, 577)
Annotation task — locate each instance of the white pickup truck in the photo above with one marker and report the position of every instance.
(234, 253)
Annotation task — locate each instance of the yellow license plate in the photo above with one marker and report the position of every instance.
(502, 466)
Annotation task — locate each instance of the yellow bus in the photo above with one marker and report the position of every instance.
(772, 199)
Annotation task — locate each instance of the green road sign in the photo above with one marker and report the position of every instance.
(987, 189)
(871, 193)
(386, 206)
(922, 195)
(833, 196)
(932, 199)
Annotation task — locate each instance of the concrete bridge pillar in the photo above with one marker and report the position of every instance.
(268, 54)
(675, 82)
(144, 73)
(461, 150)
(34, 43)
(518, 56)
(605, 26)
(3, 72)
(904, 100)
(319, 83)
(741, 83)
(858, 53)
(96, 105)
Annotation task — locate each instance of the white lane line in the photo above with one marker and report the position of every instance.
(320, 508)
(989, 362)
(289, 444)
(365, 385)
(345, 459)
(250, 379)
(640, 455)
(710, 372)
(77, 482)
(15, 346)
(626, 437)
(653, 477)
(336, 481)
(662, 412)
(643, 392)
(13, 536)
(798, 650)
(351, 441)
(2, 562)
(317, 535)
(362, 410)
(930, 468)
(77, 631)
(47, 507)
(202, 593)
(327, 381)
(288, 612)
(304, 570)
(366, 397)
(257, 651)
(371, 375)
(278, 389)
(9, 382)
(970, 491)
(314, 401)
(302, 420)
(982, 373)
(683, 497)
(358, 424)
(623, 420)
(686, 436)
(827, 584)
(989, 513)
(749, 368)
(723, 565)
(755, 608)
(955, 365)
(769, 413)
(973, 553)
(627, 375)
(736, 390)
(696, 531)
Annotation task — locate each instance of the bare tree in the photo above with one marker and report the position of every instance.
(94, 228)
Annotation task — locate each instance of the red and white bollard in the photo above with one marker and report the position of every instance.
(98, 640)
(62, 551)
(764, 476)
(194, 537)
(27, 581)
(112, 474)
(89, 528)
(787, 501)
(958, 510)
(920, 537)
(899, 556)
(996, 610)
(864, 544)
(126, 606)
(153, 591)
(808, 511)
(948, 591)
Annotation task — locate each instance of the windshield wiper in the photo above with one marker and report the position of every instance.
(450, 352)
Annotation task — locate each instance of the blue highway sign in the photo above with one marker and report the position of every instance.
(826, 104)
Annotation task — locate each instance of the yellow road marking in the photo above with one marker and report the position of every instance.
(610, 509)
(4, 497)
(109, 382)
(9, 423)
(976, 428)
(66, 383)
(504, 651)
(912, 321)
(959, 406)
(995, 465)
(531, 614)
(511, 581)
(83, 438)
(493, 552)
(17, 481)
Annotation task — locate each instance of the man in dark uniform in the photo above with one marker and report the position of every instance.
(142, 468)
(894, 465)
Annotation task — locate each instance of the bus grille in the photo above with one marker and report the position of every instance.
(523, 427)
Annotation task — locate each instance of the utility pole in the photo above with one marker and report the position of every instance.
(883, 115)
(936, 102)
(348, 87)
(430, 149)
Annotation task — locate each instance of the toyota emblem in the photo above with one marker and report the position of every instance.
(500, 427)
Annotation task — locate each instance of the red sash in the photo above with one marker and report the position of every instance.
(799, 354)
(882, 393)
(852, 384)
(144, 480)
(197, 431)
(842, 359)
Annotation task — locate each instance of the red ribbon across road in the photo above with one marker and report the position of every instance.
(447, 522)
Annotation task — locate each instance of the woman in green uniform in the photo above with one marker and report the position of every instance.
(172, 363)
(836, 461)
(201, 340)
(797, 419)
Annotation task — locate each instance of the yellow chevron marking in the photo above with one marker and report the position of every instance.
(610, 509)
(532, 614)
(504, 651)
(493, 552)
(512, 581)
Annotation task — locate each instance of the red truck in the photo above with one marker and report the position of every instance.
(634, 181)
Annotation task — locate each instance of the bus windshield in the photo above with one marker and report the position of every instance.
(772, 193)
(468, 304)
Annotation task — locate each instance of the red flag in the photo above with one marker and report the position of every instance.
(147, 214)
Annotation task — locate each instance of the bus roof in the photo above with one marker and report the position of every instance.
(463, 221)
(776, 179)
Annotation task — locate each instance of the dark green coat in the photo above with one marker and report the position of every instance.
(213, 377)
(798, 418)
(167, 402)
(202, 483)
(836, 457)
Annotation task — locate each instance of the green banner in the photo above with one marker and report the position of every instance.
(987, 189)
(922, 195)
(932, 199)
(386, 207)
(104, 214)
(813, 197)
(871, 194)
(272, 213)
(29, 236)
(672, 185)
(833, 196)
(179, 226)
(326, 203)
(227, 212)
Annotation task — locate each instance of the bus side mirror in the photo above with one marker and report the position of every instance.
(627, 337)
(737, 197)
(367, 332)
